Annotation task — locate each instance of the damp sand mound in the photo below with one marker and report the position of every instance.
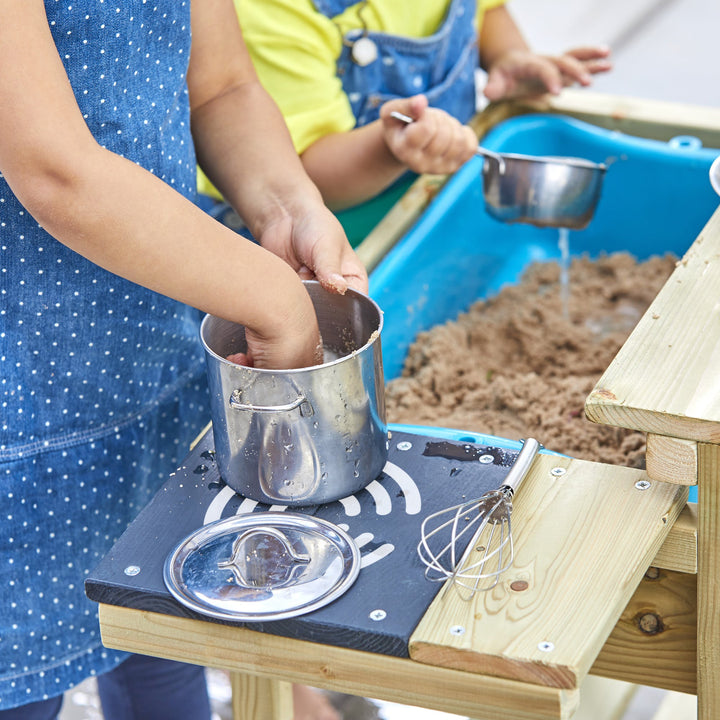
(521, 364)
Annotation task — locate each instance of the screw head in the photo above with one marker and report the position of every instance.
(457, 630)
(558, 471)
(378, 615)
(404, 445)
(132, 570)
(486, 459)
(642, 484)
(546, 646)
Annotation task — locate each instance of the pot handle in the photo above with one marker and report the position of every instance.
(252, 569)
(306, 409)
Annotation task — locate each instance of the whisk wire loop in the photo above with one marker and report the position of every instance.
(491, 550)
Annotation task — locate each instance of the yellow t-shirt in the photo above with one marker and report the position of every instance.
(294, 49)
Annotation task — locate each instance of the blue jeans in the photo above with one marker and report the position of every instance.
(140, 688)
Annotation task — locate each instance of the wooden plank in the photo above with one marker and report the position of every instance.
(260, 698)
(679, 551)
(653, 642)
(664, 379)
(671, 460)
(708, 591)
(238, 649)
(399, 219)
(652, 119)
(201, 435)
(583, 540)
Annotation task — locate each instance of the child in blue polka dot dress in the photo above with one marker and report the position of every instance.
(105, 267)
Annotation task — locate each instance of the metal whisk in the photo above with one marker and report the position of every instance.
(491, 551)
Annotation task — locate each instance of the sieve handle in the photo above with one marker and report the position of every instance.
(522, 464)
(300, 402)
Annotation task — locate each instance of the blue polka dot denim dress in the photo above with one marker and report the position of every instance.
(102, 382)
(441, 66)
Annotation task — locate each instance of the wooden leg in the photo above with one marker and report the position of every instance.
(260, 698)
(708, 587)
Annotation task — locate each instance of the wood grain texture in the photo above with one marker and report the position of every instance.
(260, 698)
(652, 119)
(424, 474)
(671, 460)
(708, 592)
(664, 379)
(399, 219)
(654, 641)
(679, 551)
(399, 680)
(582, 544)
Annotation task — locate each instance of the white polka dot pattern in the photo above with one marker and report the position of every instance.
(102, 382)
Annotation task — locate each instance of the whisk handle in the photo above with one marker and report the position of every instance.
(522, 464)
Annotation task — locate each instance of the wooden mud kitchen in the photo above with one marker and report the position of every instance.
(615, 574)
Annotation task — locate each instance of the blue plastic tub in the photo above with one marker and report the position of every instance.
(656, 198)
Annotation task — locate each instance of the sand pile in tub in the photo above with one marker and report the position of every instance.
(522, 363)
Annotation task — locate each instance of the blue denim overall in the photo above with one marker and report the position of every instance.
(102, 382)
(442, 66)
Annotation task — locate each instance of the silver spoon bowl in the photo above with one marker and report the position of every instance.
(544, 191)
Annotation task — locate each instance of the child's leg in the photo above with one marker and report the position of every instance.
(148, 688)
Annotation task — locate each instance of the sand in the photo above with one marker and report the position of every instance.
(514, 366)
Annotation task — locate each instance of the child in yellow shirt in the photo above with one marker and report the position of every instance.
(338, 68)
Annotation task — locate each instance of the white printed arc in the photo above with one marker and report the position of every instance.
(351, 505)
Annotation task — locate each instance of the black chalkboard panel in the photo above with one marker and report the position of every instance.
(380, 611)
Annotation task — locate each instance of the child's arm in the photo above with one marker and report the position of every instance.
(125, 219)
(245, 149)
(516, 71)
(354, 166)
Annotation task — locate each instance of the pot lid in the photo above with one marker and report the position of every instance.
(262, 566)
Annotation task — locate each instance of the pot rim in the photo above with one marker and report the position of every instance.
(575, 162)
(374, 336)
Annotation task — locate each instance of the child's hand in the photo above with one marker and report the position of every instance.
(297, 346)
(521, 73)
(284, 334)
(435, 142)
(310, 239)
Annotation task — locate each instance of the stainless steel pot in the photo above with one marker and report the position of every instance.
(304, 436)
